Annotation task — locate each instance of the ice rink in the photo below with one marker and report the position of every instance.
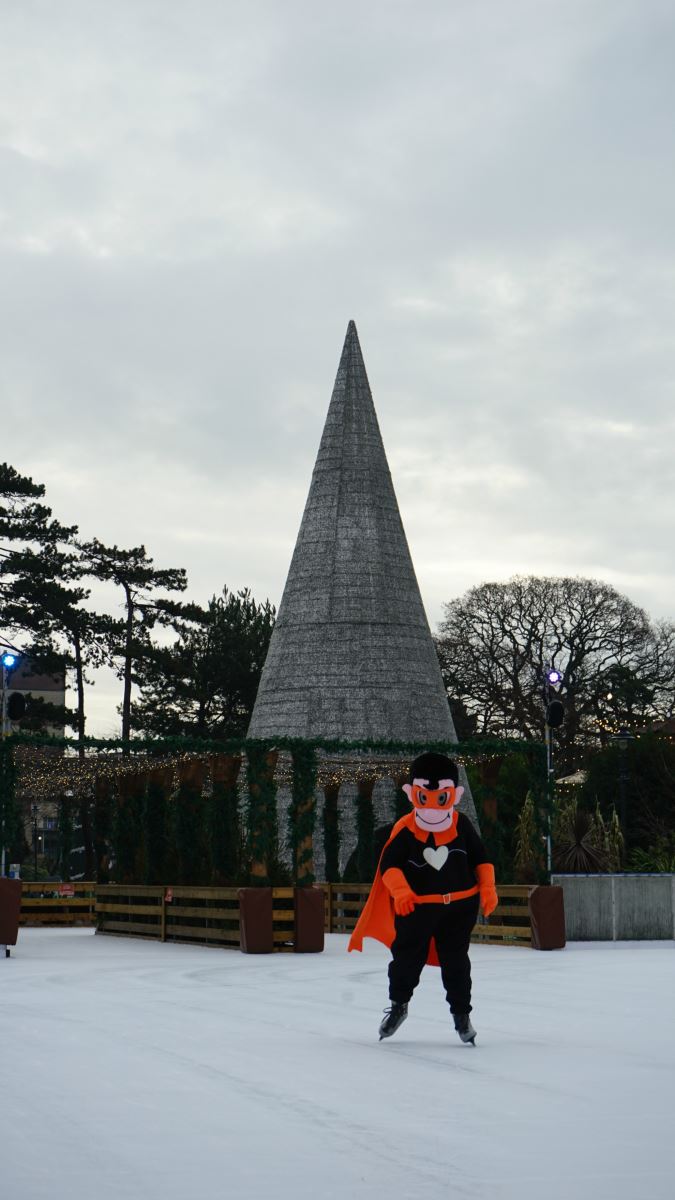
(132, 1069)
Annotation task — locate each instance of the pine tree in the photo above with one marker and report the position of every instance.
(135, 573)
(40, 596)
(44, 602)
(205, 683)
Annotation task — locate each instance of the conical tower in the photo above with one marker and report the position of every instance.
(351, 655)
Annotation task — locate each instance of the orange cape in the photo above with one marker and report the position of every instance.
(377, 919)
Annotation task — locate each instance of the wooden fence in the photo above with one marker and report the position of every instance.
(58, 903)
(210, 915)
(509, 925)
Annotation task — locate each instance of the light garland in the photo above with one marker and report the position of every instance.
(42, 771)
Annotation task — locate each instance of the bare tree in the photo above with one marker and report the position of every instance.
(497, 641)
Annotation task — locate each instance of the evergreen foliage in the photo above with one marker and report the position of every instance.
(103, 829)
(204, 684)
(128, 831)
(225, 840)
(645, 769)
(135, 573)
(11, 826)
(656, 859)
(261, 817)
(302, 813)
(189, 812)
(65, 826)
(331, 833)
(156, 827)
(365, 829)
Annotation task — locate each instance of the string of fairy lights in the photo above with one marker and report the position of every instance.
(635, 731)
(46, 768)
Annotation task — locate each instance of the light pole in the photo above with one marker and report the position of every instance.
(622, 739)
(555, 715)
(9, 661)
(34, 812)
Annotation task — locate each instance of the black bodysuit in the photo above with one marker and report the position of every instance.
(437, 872)
(450, 925)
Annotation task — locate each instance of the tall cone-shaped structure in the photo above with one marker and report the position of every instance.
(351, 654)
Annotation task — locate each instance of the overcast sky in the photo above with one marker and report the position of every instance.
(196, 198)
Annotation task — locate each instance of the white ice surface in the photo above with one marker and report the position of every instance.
(131, 1069)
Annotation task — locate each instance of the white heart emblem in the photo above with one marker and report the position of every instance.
(436, 857)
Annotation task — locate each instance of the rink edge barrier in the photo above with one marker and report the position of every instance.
(211, 915)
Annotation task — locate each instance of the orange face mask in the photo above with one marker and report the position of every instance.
(435, 810)
(443, 797)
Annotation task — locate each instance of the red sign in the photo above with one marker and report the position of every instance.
(66, 889)
(168, 895)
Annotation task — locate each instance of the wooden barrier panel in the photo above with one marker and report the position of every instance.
(135, 909)
(210, 915)
(509, 924)
(344, 902)
(174, 913)
(47, 903)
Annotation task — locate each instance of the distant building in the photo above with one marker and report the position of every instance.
(29, 682)
(39, 818)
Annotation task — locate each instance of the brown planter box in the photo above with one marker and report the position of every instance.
(256, 927)
(10, 908)
(547, 916)
(309, 920)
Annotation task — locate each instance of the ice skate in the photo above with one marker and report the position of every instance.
(393, 1017)
(464, 1027)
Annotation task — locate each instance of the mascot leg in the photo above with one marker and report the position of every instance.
(409, 951)
(453, 936)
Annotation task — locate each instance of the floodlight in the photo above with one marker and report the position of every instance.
(9, 660)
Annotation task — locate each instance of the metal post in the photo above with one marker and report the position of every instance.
(621, 740)
(623, 780)
(35, 840)
(5, 718)
(549, 797)
(5, 731)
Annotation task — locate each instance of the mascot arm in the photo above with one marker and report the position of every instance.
(404, 898)
(485, 877)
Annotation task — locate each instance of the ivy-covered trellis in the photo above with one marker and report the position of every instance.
(171, 810)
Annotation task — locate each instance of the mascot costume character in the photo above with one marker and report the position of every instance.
(424, 899)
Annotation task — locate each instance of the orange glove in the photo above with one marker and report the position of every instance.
(404, 897)
(485, 877)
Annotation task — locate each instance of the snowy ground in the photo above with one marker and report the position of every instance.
(136, 1071)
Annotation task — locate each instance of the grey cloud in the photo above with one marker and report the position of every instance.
(196, 200)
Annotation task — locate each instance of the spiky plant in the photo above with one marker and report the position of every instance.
(579, 842)
(657, 859)
(615, 842)
(529, 857)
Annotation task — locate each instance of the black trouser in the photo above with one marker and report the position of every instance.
(450, 926)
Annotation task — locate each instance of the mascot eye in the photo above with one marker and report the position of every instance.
(443, 799)
(421, 796)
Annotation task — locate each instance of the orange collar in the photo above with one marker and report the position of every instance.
(441, 839)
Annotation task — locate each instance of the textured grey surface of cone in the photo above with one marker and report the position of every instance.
(351, 655)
